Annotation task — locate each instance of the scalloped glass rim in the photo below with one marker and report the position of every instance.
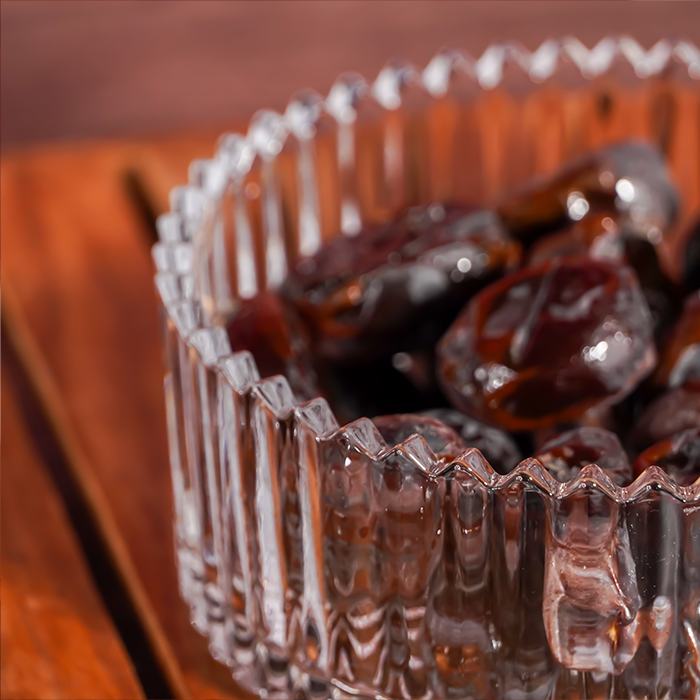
(176, 255)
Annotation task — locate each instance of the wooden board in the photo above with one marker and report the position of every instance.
(57, 639)
(79, 307)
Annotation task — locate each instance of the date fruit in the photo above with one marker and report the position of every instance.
(444, 442)
(397, 287)
(565, 455)
(547, 343)
(497, 447)
(678, 455)
(629, 178)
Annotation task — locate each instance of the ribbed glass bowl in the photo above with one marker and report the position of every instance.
(319, 560)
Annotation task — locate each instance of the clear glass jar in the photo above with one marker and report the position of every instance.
(311, 571)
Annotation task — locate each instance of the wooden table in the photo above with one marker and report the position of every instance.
(90, 607)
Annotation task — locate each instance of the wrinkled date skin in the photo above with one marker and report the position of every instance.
(398, 286)
(629, 178)
(565, 455)
(497, 447)
(545, 344)
(678, 455)
(603, 236)
(442, 440)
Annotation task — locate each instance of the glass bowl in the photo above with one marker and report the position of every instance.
(319, 560)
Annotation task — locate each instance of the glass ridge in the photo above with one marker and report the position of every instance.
(254, 470)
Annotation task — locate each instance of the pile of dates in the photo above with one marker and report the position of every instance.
(546, 327)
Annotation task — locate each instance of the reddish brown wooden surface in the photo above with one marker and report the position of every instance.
(56, 636)
(79, 306)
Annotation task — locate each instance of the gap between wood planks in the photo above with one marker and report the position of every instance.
(143, 202)
(105, 553)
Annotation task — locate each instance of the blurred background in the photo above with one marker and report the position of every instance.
(74, 70)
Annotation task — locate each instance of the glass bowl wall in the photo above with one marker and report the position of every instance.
(311, 567)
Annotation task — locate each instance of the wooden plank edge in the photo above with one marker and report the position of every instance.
(39, 637)
(47, 392)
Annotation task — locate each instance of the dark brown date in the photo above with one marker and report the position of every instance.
(497, 447)
(628, 178)
(670, 413)
(602, 235)
(270, 329)
(678, 455)
(398, 286)
(565, 455)
(442, 440)
(679, 357)
(545, 344)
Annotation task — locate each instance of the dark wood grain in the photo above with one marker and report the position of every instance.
(56, 636)
(79, 307)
